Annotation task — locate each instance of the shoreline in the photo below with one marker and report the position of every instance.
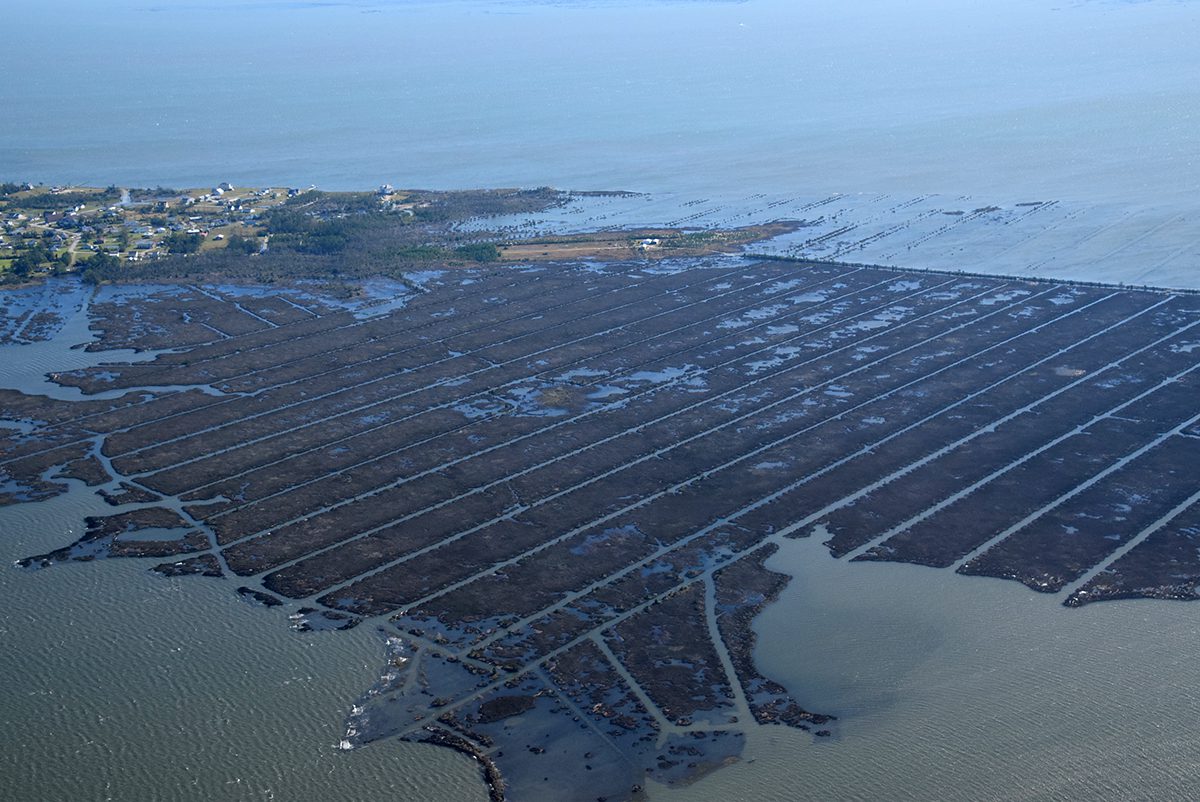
(974, 274)
(694, 412)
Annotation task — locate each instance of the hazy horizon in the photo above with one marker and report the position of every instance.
(1085, 101)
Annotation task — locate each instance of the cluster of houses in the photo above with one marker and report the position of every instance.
(134, 230)
(137, 226)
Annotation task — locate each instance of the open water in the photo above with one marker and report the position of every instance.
(1089, 100)
(123, 685)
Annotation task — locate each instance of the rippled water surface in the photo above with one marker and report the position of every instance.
(123, 685)
(953, 687)
(120, 684)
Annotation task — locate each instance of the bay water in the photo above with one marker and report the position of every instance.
(123, 685)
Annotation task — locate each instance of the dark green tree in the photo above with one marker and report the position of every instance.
(239, 244)
(180, 242)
